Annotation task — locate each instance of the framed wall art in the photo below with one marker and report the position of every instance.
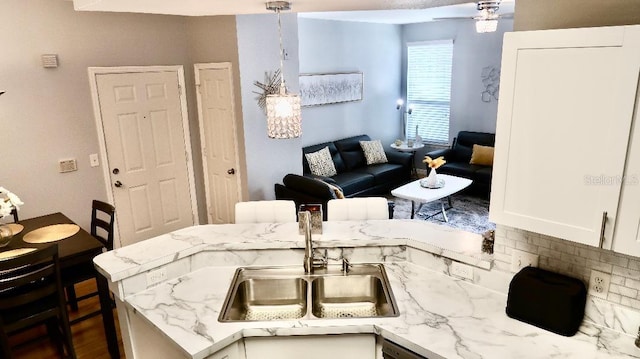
(324, 89)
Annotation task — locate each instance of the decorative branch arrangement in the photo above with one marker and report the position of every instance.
(270, 86)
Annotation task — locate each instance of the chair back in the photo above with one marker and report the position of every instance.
(358, 208)
(14, 213)
(102, 218)
(278, 211)
(31, 293)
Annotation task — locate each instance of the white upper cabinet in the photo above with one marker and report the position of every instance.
(566, 108)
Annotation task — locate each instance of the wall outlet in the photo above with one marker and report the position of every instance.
(520, 259)
(461, 270)
(156, 276)
(599, 284)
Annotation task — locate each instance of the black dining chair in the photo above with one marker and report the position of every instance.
(102, 220)
(31, 294)
(14, 212)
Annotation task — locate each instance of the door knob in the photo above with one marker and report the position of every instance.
(231, 171)
(118, 184)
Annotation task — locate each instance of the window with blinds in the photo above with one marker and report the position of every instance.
(429, 66)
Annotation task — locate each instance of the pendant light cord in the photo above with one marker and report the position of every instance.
(283, 89)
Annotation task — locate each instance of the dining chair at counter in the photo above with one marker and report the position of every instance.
(31, 294)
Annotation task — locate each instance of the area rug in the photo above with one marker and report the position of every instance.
(469, 213)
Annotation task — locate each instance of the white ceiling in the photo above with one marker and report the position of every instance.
(405, 11)
(467, 10)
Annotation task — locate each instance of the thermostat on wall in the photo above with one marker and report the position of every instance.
(49, 60)
(69, 165)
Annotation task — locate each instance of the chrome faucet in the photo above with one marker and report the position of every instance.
(310, 263)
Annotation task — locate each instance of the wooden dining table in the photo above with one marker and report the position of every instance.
(76, 255)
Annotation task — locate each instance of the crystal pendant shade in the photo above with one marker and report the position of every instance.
(284, 119)
(483, 26)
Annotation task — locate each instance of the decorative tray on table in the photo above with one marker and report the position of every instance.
(439, 183)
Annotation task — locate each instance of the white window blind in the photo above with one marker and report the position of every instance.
(429, 89)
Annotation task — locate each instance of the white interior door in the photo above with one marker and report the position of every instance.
(146, 141)
(219, 141)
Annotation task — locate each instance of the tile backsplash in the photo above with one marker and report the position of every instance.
(572, 259)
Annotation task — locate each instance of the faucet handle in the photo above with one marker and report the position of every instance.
(322, 261)
(345, 265)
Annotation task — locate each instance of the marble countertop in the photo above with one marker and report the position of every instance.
(439, 315)
(142, 256)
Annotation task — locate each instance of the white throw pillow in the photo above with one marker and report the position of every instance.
(373, 152)
(321, 163)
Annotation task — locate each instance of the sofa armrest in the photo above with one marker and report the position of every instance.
(400, 158)
(445, 152)
(321, 178)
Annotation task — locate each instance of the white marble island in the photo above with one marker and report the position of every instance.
(440, 316)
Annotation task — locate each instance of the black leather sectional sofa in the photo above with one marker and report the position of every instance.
(355, 177)
(459, 156)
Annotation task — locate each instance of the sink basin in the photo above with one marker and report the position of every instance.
(286, 293)
(354, 296)
(262, 295)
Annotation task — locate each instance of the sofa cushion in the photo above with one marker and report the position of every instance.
(373, 152)
(321, 163)
(482, 155)
(385, 172)
(459, 169)
(351, 151)
(463, 146)
(483, 175)
(353, 182)
(335, 155)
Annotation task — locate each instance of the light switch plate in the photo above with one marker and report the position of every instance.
(93, 160)
(520, 259)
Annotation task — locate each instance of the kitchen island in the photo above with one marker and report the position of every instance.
(170, 290)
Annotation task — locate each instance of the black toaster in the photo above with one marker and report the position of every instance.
(548, 300)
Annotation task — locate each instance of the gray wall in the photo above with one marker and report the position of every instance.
(213, 39)
(46, 114)
(562, 14)
(268, 160)
(339, 46)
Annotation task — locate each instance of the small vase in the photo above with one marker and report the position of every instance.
(5, 235)
(432, 179)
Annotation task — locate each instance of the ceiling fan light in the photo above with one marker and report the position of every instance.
(483, 26)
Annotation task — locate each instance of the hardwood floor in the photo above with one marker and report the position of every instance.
(88, 336)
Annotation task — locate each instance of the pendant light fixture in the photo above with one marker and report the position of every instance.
(284, 118)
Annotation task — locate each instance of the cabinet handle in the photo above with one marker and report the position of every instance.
(602, 226)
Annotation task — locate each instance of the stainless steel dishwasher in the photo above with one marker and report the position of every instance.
(391, 350)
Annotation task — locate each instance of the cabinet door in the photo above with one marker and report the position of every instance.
(626, 238)
(565, 110)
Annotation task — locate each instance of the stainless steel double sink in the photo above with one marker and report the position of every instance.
(286, 293)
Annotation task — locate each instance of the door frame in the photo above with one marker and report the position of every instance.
(179, 70)
(239, 172)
